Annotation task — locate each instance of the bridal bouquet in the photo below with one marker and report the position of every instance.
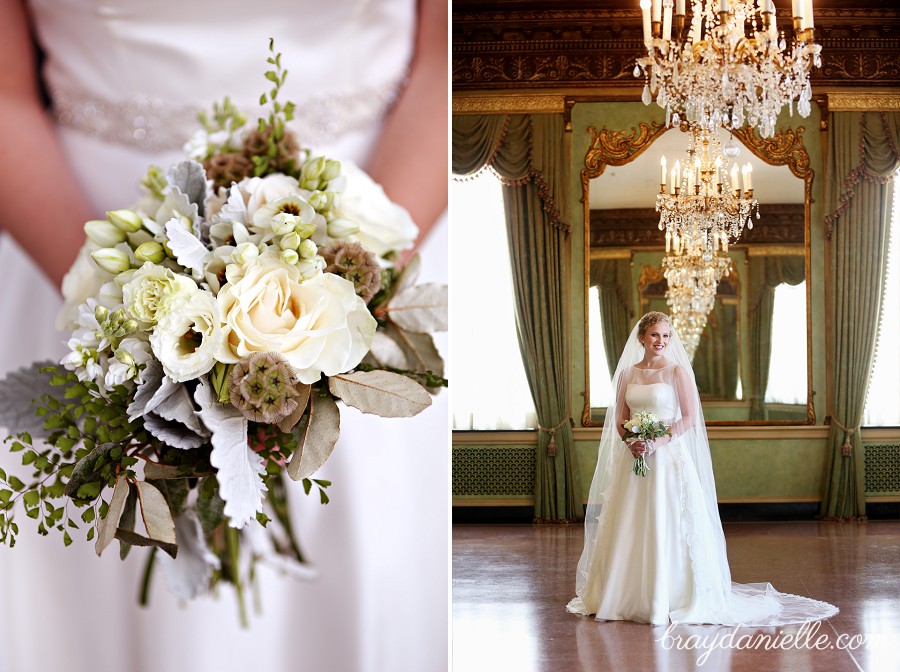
(643, 426)
(214, 329)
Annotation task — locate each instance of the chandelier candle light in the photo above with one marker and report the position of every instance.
(703, 208)
(726, 63)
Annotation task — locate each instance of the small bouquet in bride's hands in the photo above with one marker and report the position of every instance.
(643, 426)
(214, 329)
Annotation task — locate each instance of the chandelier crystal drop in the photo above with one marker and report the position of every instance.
(701, 203)
(726, 63)
(691, 294)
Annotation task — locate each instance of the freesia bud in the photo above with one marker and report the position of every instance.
(307, 249)
(103, 233)
(150, 251)
(289, 256)
(283, 223)
(341, 228)
(312, 170)
(127, 220)
(332, 170)
(318, 200)
(111, 260)
(245, 253)
(290, 242)
(305, 230)
(101, 313)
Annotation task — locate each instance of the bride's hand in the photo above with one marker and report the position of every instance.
(638, 448)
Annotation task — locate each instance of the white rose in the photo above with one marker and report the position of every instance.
(187, 337)
(383, 225)
(320, 326)
(153, 290)
(259, 191)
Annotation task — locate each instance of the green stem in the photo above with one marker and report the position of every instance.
(232, 545)
(144, 598)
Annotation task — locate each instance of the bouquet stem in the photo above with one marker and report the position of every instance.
(640, 466)
(232, 546)
(144, 598)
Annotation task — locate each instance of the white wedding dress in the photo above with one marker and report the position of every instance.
(127, 78)
(654, 546)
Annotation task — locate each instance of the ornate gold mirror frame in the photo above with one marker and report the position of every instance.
(619, 147)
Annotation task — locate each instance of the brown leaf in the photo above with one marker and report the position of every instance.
(383, 393)
(156, 514)
(106, 527)
(287, 423)
(317, 433)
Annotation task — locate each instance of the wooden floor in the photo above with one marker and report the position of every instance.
(511, 584)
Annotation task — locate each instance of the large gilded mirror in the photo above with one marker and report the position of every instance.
(752, 362)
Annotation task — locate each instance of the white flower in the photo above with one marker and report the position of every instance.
(81, 281)
(262, 190)
(319, 326)
(284, 215)
(383, 225)
(87, 345)
(153, 290)
(131, 357)
(187, 337)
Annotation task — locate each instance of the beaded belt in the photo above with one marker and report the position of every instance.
(155, 125)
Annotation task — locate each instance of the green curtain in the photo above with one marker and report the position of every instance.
(859, 191)
(527, 152)
(765, 274)
(612, 278)
(716, 359)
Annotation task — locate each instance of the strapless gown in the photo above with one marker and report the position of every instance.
(663, 556)
(127, 78)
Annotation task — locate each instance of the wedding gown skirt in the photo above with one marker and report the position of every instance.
(661, 557)
(127, 77)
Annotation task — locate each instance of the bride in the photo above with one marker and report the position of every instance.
(654, 550)
(126, 79)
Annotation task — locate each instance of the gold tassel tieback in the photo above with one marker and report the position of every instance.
(551, 447)
(846, 449)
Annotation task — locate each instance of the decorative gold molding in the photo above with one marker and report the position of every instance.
(888, 101)
(516, 103)
(522, 437)
(610, 253)
(774, 251)
(616, 148)
(785, 148)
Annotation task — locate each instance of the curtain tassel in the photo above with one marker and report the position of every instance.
(846, 448)
(551, 447)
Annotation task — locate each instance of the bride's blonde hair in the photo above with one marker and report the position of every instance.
(651, 318)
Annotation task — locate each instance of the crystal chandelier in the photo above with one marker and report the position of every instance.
(702, 207)
(725, 64)
(691, 294)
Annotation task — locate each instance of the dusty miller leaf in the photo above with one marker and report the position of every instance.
(146, 392)
(189, 573)
(18, 392)
(316, 435)
(383, 393)
(238, 468)
(186, 246)
(179, 407)
(190, 179)
(172, 433)
(421, 309)
(106, 527)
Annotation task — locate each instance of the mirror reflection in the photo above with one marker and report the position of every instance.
(761, 298)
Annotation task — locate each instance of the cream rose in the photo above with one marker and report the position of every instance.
(258, 191)
(187, 338)
(384, 226)
(153, 290)
(320, 326)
